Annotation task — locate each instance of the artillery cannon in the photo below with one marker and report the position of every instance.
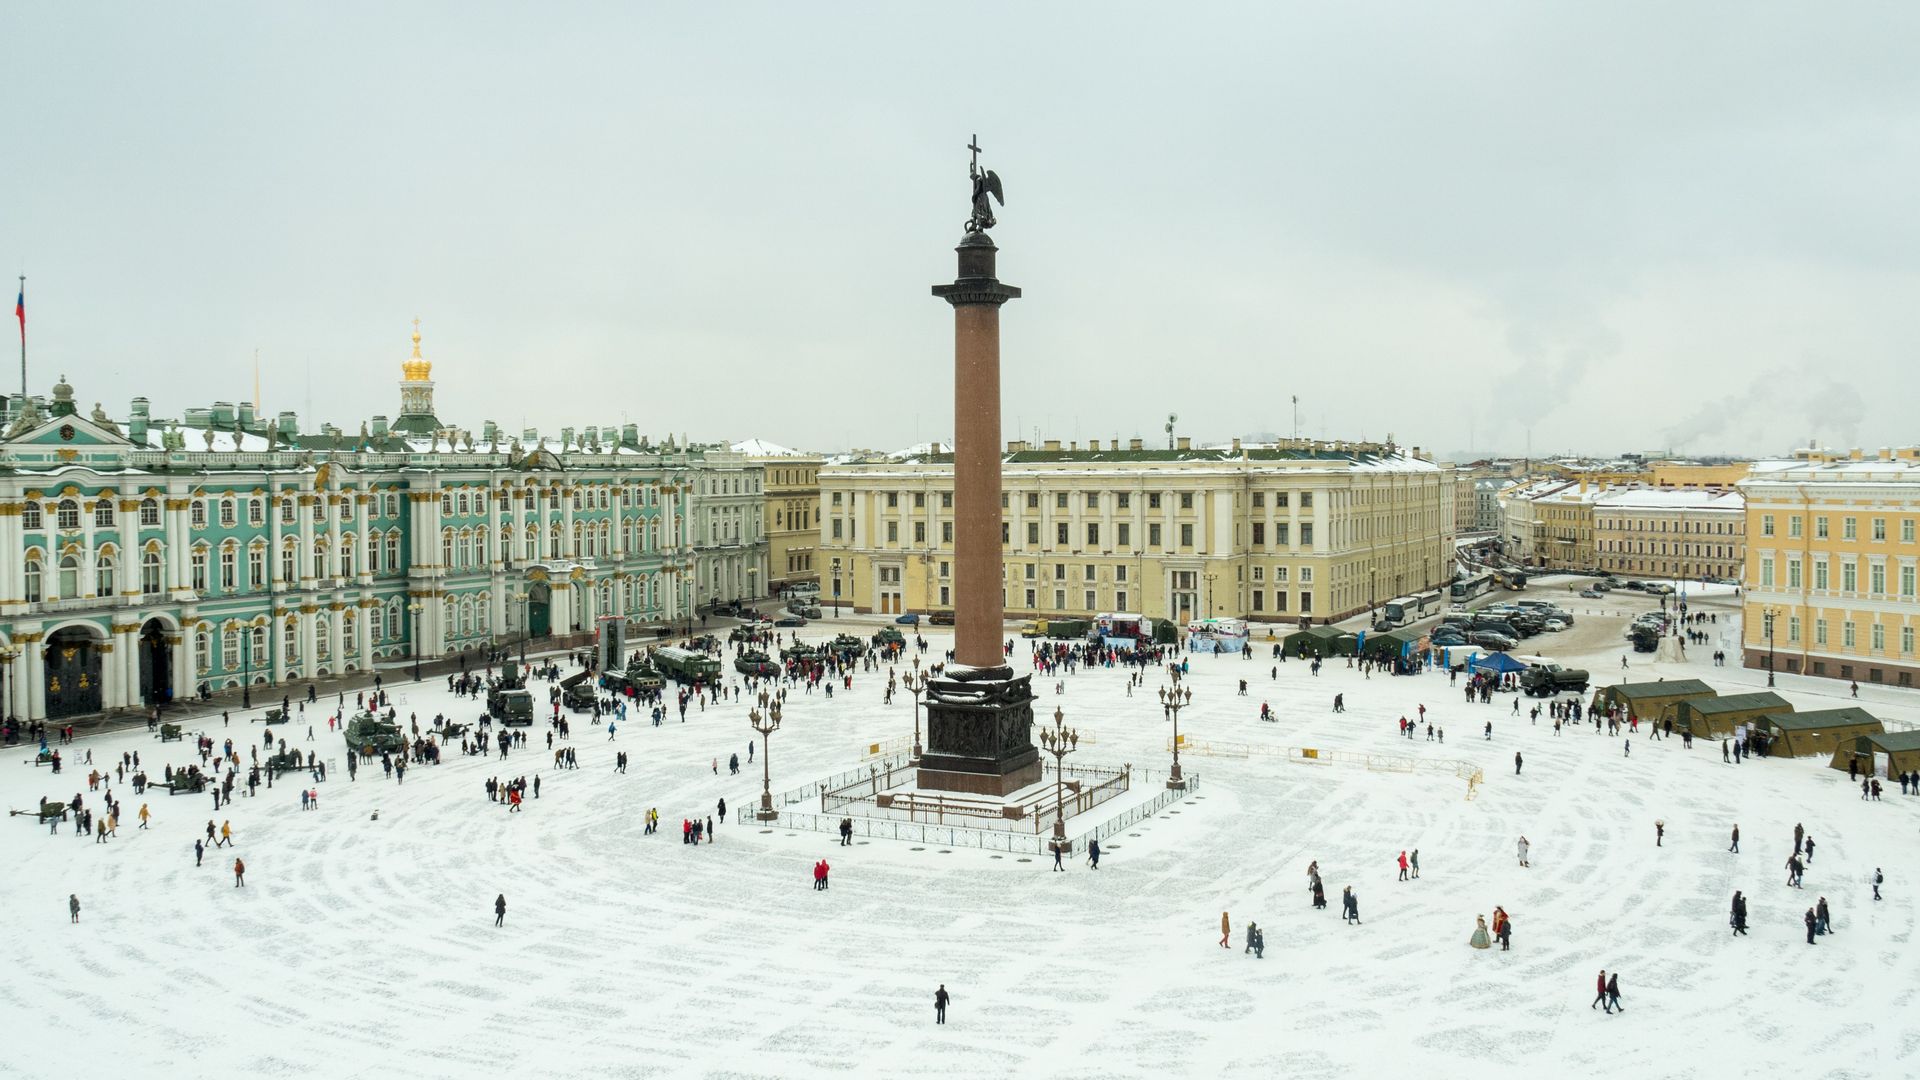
(170, 733)
(49, 809)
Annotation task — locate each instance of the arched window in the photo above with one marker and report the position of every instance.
(30, 517)
(103, 583)
(393, 551)
(348, 623)
(393, 618)
(67, 515)
(446, 503)
(532, 537)
(446, 547)
(483, 613)
(202, 651)
(449, 613)
(149, 513)
(259, 647)
(347, 547)
(289, 575)
(290, 639)
(480, 547)
(150, 573)
(103, 514)
(323, 649)
(229, 567)
(319, 558)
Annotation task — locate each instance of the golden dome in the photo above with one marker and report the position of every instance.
(417, 369)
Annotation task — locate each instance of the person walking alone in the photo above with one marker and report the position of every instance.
(1877, 879)
(1736, 840)
(73, 906)
(239, 874)
(500, 910)
(1226, 930)
(940, 999)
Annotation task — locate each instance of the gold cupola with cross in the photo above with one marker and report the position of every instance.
(416, 392)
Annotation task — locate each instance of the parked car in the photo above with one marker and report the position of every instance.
(1489, 639)
(908, 620)
(790, 620)
(1554, 626)
(1636, 586)
(1590, 594)
(1447, 641)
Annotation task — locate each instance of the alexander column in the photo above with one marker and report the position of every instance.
(979, 715)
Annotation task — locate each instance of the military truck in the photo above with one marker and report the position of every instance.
(686, 665)
(639, 675)
(756, 663)
(1546, 680)
(508, 699)
(576, 693)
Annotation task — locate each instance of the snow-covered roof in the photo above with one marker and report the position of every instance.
(1671, 499)
(763, 448)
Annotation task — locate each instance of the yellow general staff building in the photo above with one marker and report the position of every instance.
(1287, 532)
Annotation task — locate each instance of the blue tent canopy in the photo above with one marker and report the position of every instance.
(1495, 663)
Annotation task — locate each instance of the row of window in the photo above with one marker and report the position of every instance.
(1849, 635)
(1849, 576)
(1849, 528)
(1644, 547)
(1712, 528)
(1063, 537)
(1122, 500)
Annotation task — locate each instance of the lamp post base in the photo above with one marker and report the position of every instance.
(766, 813)
(1176, 780)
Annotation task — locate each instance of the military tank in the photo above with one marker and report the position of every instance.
(367, 733)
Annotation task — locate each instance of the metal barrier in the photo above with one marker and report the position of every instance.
(1465, 770)
(975, 836)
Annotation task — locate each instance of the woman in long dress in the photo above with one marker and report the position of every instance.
(1480, 939)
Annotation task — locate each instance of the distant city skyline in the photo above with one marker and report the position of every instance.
(1630, 226)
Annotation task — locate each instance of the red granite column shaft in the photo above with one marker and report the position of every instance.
(979, 599)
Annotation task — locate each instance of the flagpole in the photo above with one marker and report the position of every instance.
(22, 308)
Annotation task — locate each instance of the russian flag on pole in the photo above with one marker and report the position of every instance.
(20, 312)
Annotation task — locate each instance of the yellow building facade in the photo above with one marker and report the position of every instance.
(1833, 551)
(1286, 533)
(792, 512)
(1674, 533)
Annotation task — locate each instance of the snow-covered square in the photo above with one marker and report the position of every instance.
(366, 946)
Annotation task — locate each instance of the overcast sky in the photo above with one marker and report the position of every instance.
(1601, 227)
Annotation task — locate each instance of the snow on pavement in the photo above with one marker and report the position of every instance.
(364, 948)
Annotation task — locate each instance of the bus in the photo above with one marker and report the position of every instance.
(1405, 610)
(1468, 588)
(1514, 580)
(685, 665)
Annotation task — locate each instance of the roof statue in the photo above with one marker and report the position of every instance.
(985, 182)
(28, 419)
(103, 421)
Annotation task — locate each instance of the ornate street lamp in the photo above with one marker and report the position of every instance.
(246, 664)
(1059, 740)
(523, 598)
(1767, 616)
(766, 724)
(915, 684)
(413, 631)
(1172, 700)
(8, 654)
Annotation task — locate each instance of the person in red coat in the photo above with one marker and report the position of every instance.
(1600, 991)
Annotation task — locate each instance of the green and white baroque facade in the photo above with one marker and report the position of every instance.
(225, 548)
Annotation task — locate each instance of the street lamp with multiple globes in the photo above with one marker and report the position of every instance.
(522, 597)
(1767, 615)
(915, 684)
(1172, 700)
(413, 631)
(1059, 740)
(246, 665)
(8, 654)
(766, 723)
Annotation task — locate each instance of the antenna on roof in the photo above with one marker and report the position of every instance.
(1172, 418)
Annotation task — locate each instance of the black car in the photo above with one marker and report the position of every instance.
(790, 620)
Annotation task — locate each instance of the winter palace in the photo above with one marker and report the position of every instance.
(225, 548)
